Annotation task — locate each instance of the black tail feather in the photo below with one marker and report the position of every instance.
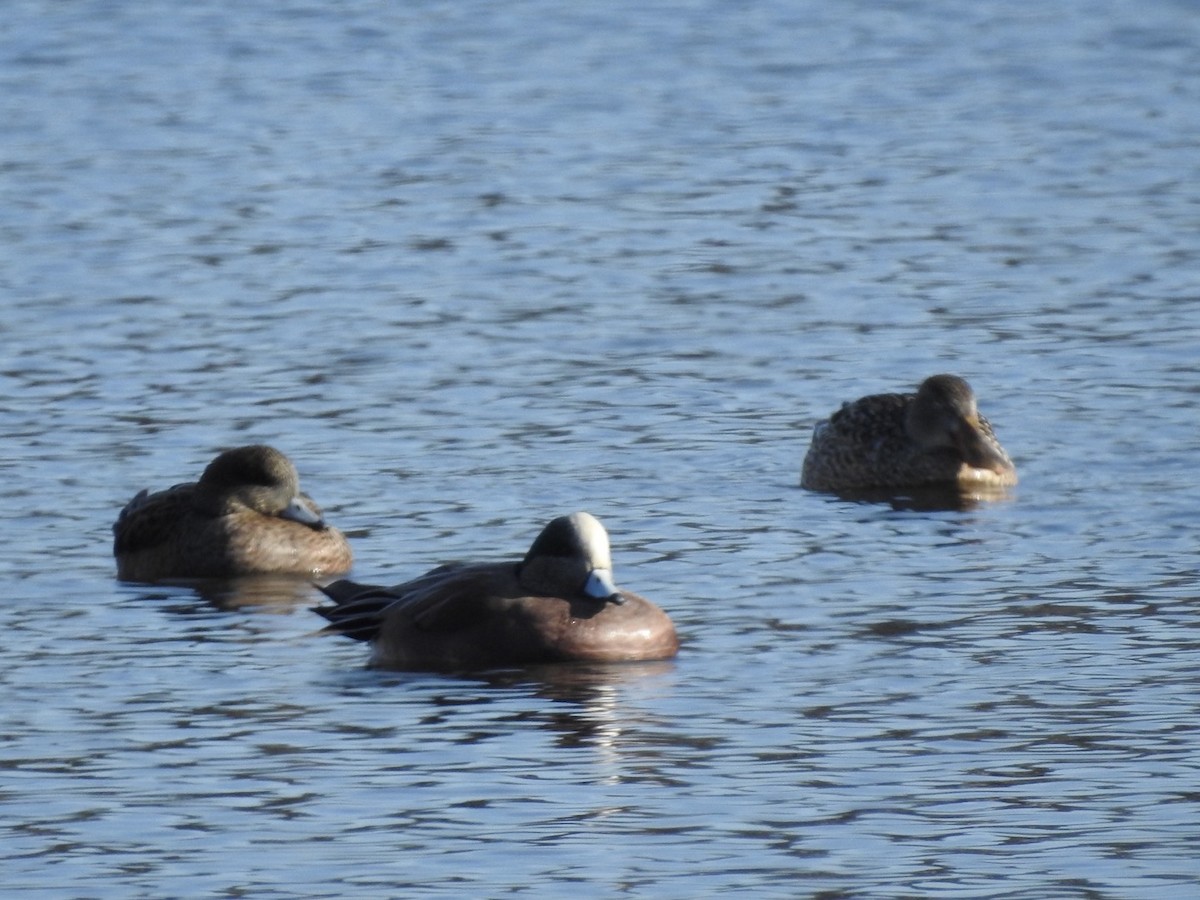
(357, 611)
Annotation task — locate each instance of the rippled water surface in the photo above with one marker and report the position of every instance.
(476, 265)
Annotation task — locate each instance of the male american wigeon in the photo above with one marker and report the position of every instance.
(245, 516)
(935, 436)
(557, 604)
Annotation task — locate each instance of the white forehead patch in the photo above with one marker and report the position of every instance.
(593, 538)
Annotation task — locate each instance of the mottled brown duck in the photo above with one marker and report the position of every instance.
(245, 516)
(933, 437)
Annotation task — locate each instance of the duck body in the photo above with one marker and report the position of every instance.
(935, 436)
(556, 605)
(245, 516)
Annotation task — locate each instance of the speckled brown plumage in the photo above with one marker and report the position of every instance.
(245, 516)
(935, 436)
(558, 604)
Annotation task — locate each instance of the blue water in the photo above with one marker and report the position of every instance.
(473, 266)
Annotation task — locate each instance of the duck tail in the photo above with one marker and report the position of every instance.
(357, 611)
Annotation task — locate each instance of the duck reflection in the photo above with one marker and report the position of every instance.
(277, 593)
(589, 703)
(271, 592)
(928, 498)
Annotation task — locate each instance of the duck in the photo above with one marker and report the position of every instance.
(557, 604)
(245, 516)
(935, 436)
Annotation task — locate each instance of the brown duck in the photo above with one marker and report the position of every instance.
(557, 604)
(935, 436)
(245, 516)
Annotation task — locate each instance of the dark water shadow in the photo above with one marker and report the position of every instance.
(927, 498)
(577, 680)
(582, 704)
(270, 593)
(562, 681)
(589, 703)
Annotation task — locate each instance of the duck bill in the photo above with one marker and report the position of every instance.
(600, 586)
(300, 510)
(979, 451)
